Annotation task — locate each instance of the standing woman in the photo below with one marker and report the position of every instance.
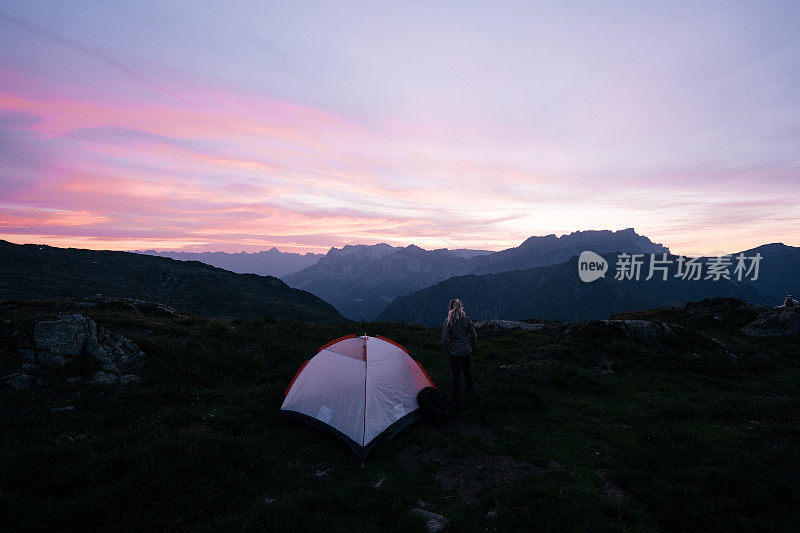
(458, 339)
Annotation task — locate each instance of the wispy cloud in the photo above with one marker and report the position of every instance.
(91, 52)
(206, 138)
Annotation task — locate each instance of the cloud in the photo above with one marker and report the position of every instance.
(92, 52)
(252, 173)
(13, 119)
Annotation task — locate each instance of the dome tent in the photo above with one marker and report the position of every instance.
(363, 389)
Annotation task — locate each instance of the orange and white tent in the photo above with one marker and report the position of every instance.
(363, 389)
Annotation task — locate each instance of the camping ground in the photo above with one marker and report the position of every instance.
(573, 426)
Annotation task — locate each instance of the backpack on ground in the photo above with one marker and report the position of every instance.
(434, 406)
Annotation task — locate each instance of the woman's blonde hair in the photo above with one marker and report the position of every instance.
(456, 311)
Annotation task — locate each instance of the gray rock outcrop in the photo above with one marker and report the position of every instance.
(129, 379)
(116, 354)
(433, 522)
(104, 378)
(775, 322)
(650, 332)
(18, 381)
(59, 342)
(505, 325)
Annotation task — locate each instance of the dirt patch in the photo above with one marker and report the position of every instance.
(482, 434)
(468, 475)
(471, 475)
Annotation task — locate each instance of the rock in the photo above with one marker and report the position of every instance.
(707, 305)
(322, 472)
(60, 341)
(506, 325)
(27, 355)
(117, 354)
(74, 379)
(49, 360)
(647, 331)
(62, 409)
(104, 378)
(129, 379)
(775, 322)
(433, 521)
(18, 381)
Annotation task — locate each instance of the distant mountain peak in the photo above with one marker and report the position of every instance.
(270, 262)
(549, 249)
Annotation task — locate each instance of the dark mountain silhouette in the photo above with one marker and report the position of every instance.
(556, 292)
(270, 262)
(779, 271)
(361, 280)
(550, 250)
(35, 272)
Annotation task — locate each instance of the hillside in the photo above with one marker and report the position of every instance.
(33, 271)
(556, 292)
(572, 427)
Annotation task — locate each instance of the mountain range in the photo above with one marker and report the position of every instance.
(40, 272)
(556, 292)
(393, 283)
(360, 281)
(270, 262)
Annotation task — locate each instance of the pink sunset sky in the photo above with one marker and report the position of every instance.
(245, 125)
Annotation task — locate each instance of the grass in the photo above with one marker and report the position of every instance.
(577, 429)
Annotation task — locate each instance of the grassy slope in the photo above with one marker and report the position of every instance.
(555, 292)
(32, 271)
(571, 428)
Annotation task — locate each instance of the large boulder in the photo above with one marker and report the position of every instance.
(506, 325)
(104, 378)
(60, 341)
(651, 332)
(775, 322)
(116, 354)
(18, 381)
(433, 522)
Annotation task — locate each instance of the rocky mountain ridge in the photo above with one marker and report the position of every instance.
(360, 281)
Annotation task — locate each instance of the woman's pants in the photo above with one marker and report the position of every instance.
(457, 365)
